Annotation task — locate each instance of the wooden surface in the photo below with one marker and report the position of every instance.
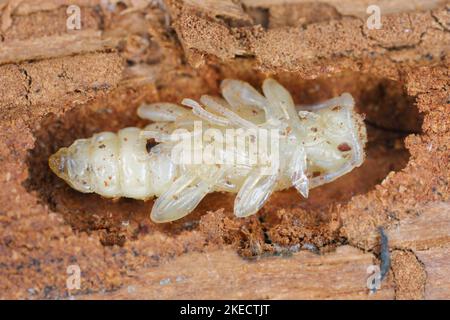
(436, 262)
(56, 46)
(428, 230)
(358, 7)
(420, 248)
(406, 31)
(224, 275)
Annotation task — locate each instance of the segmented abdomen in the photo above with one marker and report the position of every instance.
(115, 165)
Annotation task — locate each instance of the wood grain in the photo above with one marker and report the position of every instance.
(357, 7)
(224, 275)
(56, 46)
(430, 229)
(436, 262)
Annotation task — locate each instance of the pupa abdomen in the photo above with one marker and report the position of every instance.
(114, 165)
(314, 145)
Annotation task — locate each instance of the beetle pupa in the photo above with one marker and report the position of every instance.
(316, 144)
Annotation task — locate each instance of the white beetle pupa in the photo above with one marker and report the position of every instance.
(315, 145)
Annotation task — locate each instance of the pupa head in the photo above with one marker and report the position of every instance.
(71, 165)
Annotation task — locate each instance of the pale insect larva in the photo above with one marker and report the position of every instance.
(316, 144)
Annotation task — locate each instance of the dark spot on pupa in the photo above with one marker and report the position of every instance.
(101, 146)
(316, 174)
(150, 144)
(343, 147)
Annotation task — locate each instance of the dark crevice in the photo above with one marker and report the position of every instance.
(29, 81)
(384, 253)
(259, 15)
(397, 131)
(444, 28)
(101, 17)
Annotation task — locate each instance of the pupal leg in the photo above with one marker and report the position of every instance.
(183, 196)
(344, 100)
(200, 112)
(163, 132)
(281, 100)
(297, 172)
(239, 93)
(161, 112)
(218, 106)
(254, 193)
(162, 127)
